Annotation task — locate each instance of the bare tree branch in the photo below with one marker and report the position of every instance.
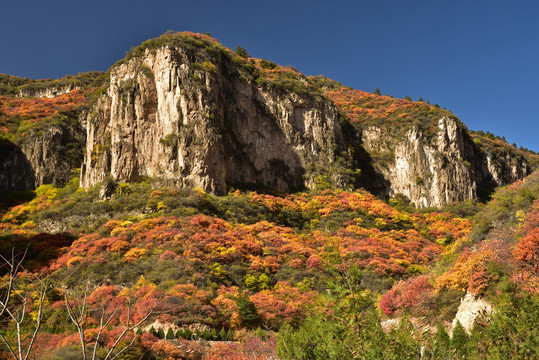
(80, 311)
(16, 311)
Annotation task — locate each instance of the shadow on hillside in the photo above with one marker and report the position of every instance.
(38, 250)
(369, 179)
(16, 176)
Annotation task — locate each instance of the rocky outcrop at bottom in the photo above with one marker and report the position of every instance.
(470, 308)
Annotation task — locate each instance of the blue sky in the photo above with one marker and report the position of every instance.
(478, 59)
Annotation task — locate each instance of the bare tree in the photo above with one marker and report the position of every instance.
(80, 310)
(11, 266)
(21, 291)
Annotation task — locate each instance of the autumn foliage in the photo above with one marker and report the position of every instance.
(414, 295)
(249, 259)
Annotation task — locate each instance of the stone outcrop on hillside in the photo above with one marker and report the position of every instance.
(46, 92)
(166, 117)
(45, 156)
(470, 308)
(441, 169)
(186, 116)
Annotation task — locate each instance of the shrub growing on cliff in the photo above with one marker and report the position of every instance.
(266, 64)
(242, 52)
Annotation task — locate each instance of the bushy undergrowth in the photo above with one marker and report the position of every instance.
(306, 275)
(249, 260)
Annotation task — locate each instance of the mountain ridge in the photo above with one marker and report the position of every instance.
(321, 273)
(389, 146)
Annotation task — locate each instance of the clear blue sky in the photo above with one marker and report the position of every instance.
(479, 59)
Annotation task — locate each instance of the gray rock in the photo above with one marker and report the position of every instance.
(165, 118)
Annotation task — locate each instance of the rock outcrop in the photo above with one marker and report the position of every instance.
(44, 156)
(470, 308)
(190, 119)
(441, 169)
(185, 111)
(46, 92)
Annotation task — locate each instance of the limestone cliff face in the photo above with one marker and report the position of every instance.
(54, 152)
(45, 156)
(176, 115)
(434, 171)
(46, 92)
(186, 116)
(191, 113)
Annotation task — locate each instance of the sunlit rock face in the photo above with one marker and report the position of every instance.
(434, 171)
(167, 118)
(186, 118)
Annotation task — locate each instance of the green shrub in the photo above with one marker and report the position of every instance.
(242, 52)
(247, 309)
(266, 64)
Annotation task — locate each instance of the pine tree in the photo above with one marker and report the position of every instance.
(206, 335)
(153, 332)
(222, 335)
(187, 334)
(248, 312)
(179, 334)
(230, 335)
(402, 343)
(214, 335)
(377, 91)
(160, 333)
(477, 344)
(516, 317)
(170, 334)
(441, 342)
(459, 341)
(242, 52)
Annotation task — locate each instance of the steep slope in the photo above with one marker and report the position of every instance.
(201, 255)
(502, 247)
(425, 152)
(41, 138)
(184, 110)
(198, 253)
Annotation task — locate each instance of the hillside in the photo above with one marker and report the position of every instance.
(207, 260)
(199, 253)
(41, 137)
(197, 203)
(186, 111)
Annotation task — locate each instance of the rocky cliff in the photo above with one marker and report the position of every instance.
(191, 116)
(440, 169)
(46, 155)
(41, 137)
(186, 111)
